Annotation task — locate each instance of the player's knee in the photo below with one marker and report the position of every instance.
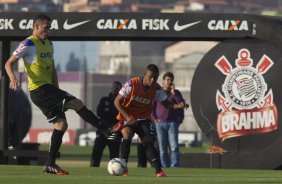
(61, 124)
(127, 133)
(78, 102)
(147, 139)
(127, 136)
(75, 104)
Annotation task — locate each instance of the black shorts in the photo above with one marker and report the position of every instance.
(50, 100)
(143, 128)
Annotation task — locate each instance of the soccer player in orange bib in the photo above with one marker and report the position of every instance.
(134, 103)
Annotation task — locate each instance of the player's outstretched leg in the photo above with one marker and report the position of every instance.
(91, 118)
(85, 114)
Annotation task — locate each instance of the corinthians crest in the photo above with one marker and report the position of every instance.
(246, 104)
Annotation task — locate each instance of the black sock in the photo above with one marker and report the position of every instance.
(89, 117)
(156, 164)
(154, 159)
(125, 149)
(56, 142)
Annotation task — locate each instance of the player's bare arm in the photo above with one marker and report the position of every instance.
(55, 76)
(181, 105)
(118, 103)
(9, 69)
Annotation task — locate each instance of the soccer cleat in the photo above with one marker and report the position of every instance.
(125, 173)
(160, 174)
(54, 169)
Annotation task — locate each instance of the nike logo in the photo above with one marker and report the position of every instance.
(185, 26)
(68, 26)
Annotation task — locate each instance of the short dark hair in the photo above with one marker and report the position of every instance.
(41, 17)
(117, 82)
(153, 68)
(168, 74)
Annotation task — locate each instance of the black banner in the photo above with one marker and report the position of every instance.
(128, 25)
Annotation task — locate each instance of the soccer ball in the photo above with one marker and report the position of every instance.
(117, 166)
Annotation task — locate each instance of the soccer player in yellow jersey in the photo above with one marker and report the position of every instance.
(37, 53)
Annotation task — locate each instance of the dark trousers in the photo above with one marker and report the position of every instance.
(99, 145)
(141, 155)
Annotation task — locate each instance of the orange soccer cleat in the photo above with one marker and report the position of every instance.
(125, 173)
(160, 174)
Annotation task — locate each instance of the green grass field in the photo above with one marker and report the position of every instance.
(86, 175)
(76, 160)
